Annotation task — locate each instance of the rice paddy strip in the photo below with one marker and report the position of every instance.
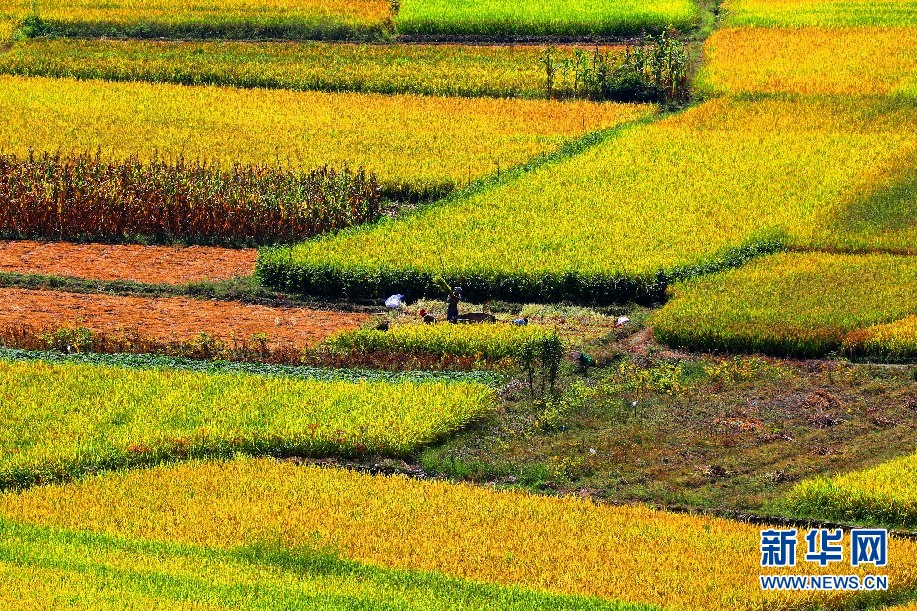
(145, 264)
(63, 420)
(820, 13)
(646, 206)
(444, 70)
(484, 341)
(321, 374)
(885, 494)
(417, 146)
(811, 61)
(798, 305)
(43, 568)
(561, 545)
(241, 19)
(495, 18)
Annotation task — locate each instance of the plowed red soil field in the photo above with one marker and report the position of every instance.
(148, 264)
(172, 318)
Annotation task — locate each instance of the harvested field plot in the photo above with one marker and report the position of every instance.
(43, 568)
(848, 61)
(299, 19)
(64, 420)
(146, 264)
(830, 13)
(662, 201)
(171, 319)
(570, 545)
(417, 146)
(496, 18)
(886, 494)
(797, 305)
(498, 71)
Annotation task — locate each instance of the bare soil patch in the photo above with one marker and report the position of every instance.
(172, 318)
(147, 264)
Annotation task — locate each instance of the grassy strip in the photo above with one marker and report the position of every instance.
(572, 546)
(810, 61)
(233, 19)
(820, 13)
(540, 18)
(795, 304)
(442, 70)
(884, 495)
(84, 198)
(67, 419)
(321, 374)
(418, 147)
(44, 568)
(696, 192)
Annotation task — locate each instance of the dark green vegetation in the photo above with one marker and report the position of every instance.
(85, 198)
(105, 573)
(654, 71)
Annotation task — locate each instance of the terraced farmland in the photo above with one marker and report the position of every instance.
(444, 70)
(648, 204)
(570, 547)
(225, 376)
(417, 146)
(303, 19)
(70, 419)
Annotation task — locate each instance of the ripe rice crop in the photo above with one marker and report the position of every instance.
(896, 341)
(885, 494)
(497, 18)
(793, 304)
(83, 197)
(64, 420)
(492, 342)
(689, 194)
(44, 568)
(177, 326)
(417, 146)
(244, 19)
(145, 264)
(460, 70)
(821, 13)
(811, 61)
(563, 545)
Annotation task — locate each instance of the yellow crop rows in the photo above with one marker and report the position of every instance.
(411, 142)
(563, 545)
(873, 61)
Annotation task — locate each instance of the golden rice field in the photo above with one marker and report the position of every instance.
(650, 203)
(296, 19)
(892, 341)
(560, 545)
(798, 304)
(885, 494)
(44, 568)
(829, 13)
(414, 144)
(442, 69)
(482, 341)
(65, 419)
(811, 61)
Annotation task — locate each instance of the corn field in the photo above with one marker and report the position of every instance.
(83, 197)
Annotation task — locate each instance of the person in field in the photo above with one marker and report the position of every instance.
(452, 302)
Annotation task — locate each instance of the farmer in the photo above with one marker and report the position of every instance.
(452, 302)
